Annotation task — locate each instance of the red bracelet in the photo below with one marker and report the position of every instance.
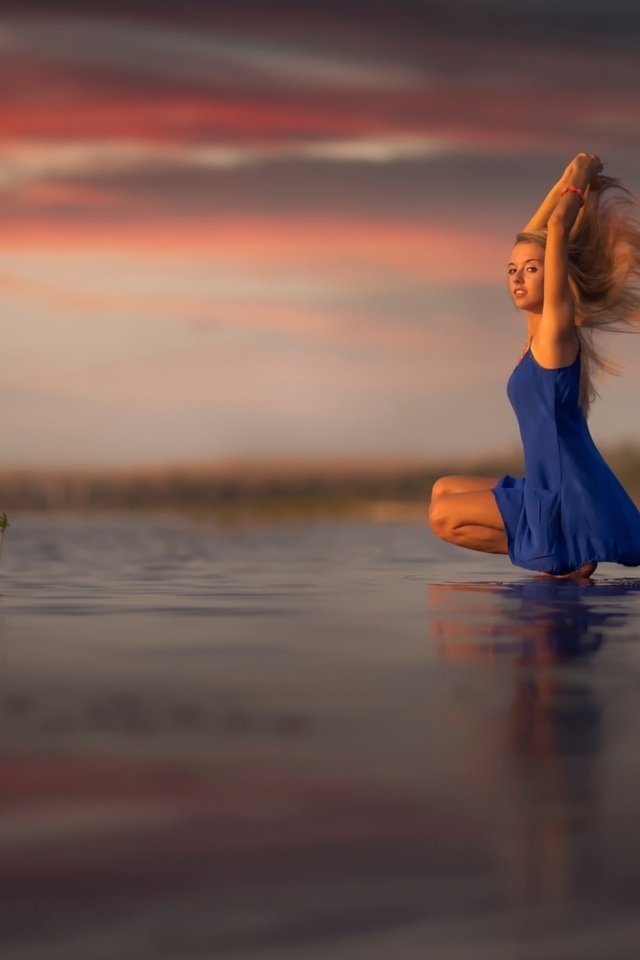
(573, 190)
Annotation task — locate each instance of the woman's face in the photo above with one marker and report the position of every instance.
(526, 276)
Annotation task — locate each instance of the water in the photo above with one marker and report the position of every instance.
(323, 740)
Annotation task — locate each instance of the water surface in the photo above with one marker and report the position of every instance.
(311, 740)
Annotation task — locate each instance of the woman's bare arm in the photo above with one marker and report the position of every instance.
(556, 327)
(540, 218)
(546, 208)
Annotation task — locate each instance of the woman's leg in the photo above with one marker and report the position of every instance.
(470, 520)
(457, 483)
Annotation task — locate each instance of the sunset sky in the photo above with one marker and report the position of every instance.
(282, 229)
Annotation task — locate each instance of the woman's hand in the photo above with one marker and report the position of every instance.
(577, 175)
(586, 165)
(589, 164)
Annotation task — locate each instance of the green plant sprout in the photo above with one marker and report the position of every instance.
(4, 523)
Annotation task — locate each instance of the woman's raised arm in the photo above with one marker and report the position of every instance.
(541, 217)
(556, 327)
(546, 208)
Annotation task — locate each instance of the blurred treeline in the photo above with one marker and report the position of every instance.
(260, 489)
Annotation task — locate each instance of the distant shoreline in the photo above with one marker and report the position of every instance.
(257, 489)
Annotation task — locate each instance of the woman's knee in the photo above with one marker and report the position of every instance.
(440, 518)
(441, 487)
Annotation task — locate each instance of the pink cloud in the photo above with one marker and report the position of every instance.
(414, 249)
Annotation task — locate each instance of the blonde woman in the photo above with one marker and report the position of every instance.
(574, 269)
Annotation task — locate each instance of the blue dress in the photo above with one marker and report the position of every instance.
(569, 508)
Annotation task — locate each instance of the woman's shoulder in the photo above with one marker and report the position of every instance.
(552, 353)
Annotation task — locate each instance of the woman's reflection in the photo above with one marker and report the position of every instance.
(539, 621)
(553, 835)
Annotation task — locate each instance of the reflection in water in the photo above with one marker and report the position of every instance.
(540, 621)
(555, 828)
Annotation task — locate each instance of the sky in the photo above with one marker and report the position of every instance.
(274, 230)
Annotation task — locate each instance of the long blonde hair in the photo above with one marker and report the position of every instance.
(604, 275)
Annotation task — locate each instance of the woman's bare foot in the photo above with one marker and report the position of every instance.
(580, 573)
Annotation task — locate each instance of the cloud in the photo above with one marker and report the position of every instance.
(26, 161)
(277, 250)
(146, 50)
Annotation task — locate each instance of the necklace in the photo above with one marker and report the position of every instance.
(525, 348)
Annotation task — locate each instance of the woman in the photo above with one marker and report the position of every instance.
(573, 269)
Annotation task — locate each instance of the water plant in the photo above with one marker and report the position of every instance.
(4, 523)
